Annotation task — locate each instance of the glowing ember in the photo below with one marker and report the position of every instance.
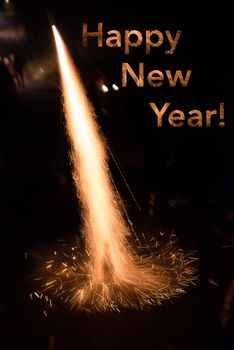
(109, 273)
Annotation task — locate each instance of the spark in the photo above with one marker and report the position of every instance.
(113, 271)
(50, 282)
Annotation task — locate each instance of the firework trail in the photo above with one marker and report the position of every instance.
(109, 273)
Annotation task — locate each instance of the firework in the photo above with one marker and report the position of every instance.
(112, 271)
(161, 271)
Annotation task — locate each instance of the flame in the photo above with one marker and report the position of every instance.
(109, 272)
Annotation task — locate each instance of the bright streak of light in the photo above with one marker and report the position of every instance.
(104, 88)
(115, 87)
(108, 273)
(104, 228)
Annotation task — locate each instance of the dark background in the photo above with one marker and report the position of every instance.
(182, 178)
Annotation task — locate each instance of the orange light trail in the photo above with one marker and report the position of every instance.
(104, 229)
(109, 273)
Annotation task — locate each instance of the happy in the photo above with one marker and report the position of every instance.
(132, 38)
